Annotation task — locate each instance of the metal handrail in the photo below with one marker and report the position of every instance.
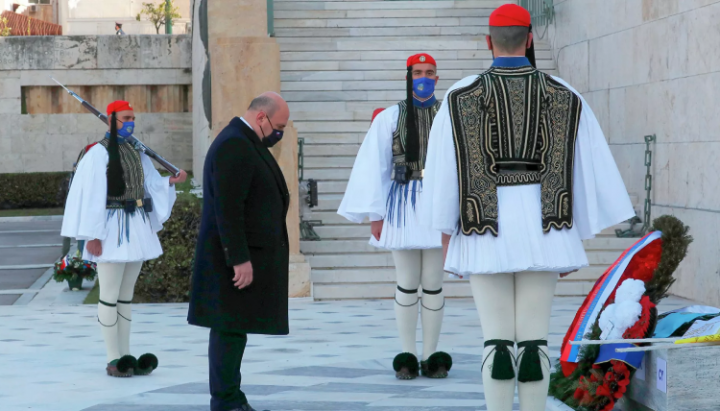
(542, 12)
(271, 18)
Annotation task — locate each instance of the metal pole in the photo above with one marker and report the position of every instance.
(168, 18)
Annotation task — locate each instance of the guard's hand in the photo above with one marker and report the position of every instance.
(180, 178)
(563, 275)
(95, 247)
(243, 275)
(376, 229)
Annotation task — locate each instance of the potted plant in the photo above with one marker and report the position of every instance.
(74, 270)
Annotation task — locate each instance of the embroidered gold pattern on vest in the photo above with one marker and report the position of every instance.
(514, 126)
(425, 117)
(133, 173)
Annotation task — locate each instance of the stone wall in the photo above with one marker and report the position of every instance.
(51, 142)
(653, 67)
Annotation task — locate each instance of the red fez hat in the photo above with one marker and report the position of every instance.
(421, 58)
(117, 106)
(376, 112)
(510, 15)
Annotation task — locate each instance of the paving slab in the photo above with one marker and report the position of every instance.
(337, 357)
(19, 279)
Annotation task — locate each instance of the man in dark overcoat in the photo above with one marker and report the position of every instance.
(240, 279)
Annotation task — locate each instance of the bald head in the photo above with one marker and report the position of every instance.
(267, 112)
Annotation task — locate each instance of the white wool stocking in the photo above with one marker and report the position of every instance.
(433, 299)
(110, 276)
(124, 306)
(534, 292)
(514, 307)
(494, 298)
(408, 265)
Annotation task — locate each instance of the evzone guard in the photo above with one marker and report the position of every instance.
(518, 174)
(116, 205)
(385, 187)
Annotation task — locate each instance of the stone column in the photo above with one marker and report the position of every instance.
(234, 61)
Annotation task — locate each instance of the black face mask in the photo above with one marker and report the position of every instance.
(274, 137)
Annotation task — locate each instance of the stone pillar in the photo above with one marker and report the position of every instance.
(234, 61)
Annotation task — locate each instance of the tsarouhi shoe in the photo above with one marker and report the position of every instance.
(146, 364)
(406, 366)
(122, 367)
(437, 365)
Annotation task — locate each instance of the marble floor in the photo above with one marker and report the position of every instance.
(338, 357)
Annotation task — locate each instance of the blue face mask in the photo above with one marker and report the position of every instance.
(274, 137)
(424, 87)
(127, 129)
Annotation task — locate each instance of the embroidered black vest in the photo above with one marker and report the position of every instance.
(133, 173)
(514, 126)
(424, 118)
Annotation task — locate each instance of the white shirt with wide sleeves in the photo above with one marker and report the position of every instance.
(372, 195)
(125, 237)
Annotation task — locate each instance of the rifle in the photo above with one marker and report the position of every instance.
(139, 146)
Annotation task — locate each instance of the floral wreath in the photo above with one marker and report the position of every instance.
(600, 377)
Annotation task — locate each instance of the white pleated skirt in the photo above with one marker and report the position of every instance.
(521, 244)
(131, 237)
(401, 228)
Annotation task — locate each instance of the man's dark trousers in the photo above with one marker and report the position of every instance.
(225, 354)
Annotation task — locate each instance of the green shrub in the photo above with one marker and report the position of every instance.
(33, 190)
(167, 279)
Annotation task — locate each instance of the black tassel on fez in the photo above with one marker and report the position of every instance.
(115, 177)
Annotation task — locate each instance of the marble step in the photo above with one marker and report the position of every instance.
(379, 14)
(612, 245)
(350, 32)
(335, 138)
(342, 174)
(474, 65)
(332, 187)
(327, 217)
(283, 5)
(451, 289)
(332, 126)
(395, 55)
(332, 149)
(396, 85)
(348, 75)
(387, 275)
(384, 44)
(330, 162)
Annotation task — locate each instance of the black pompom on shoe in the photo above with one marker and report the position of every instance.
(146, 364)
(405, 366)
(437, 365)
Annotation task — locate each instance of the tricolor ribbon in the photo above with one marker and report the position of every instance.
(595, 301)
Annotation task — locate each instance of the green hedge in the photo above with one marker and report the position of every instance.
(167, 279)
(33, 190)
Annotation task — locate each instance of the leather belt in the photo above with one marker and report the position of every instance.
(402, 174)
(131, 205)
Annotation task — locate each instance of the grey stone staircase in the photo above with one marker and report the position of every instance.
(340, 60)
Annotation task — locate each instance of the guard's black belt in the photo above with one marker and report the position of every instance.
(131, 205)
(518, 167)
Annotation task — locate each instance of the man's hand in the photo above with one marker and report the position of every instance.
(95, 247)
(180, 178)
(563, 275)
(243, 275)
(376, 229)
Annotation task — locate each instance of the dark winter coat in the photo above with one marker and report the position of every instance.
(245, 201)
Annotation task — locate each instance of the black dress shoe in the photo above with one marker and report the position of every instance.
(246, 407)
